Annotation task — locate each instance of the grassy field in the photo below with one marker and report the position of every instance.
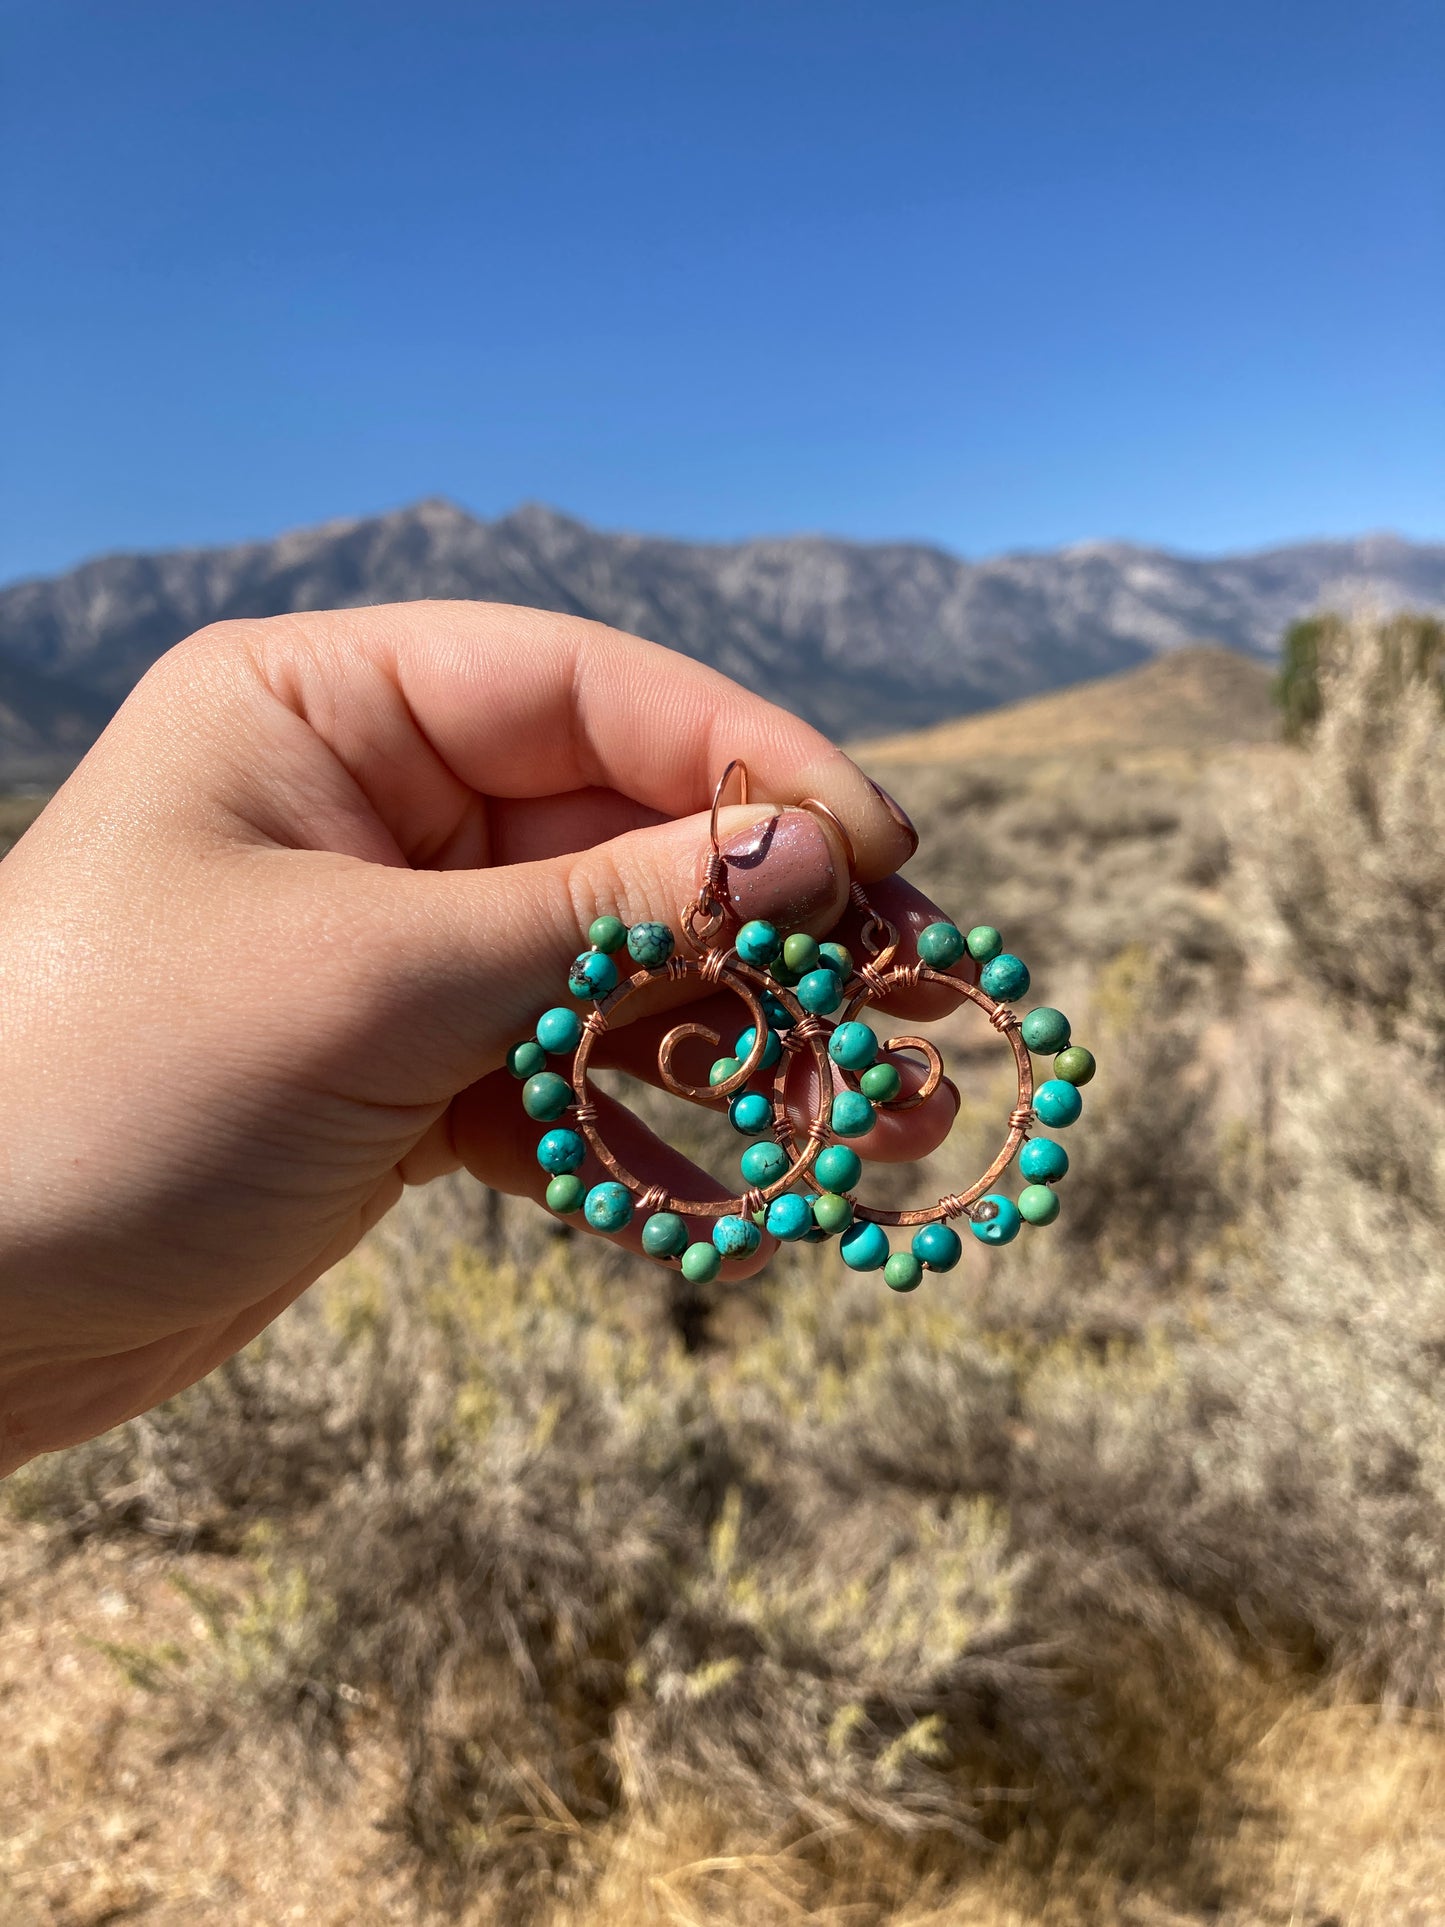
(1102, 1580)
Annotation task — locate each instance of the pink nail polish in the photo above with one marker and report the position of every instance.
(781, 869)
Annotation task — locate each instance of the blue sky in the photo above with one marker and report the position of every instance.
(994, 275)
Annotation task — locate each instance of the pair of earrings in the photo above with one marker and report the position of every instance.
(801, 997)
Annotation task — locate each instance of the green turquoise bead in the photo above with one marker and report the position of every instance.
(880, 1084)
(864, 1247)
(650, 944)
(750, 1112)
(1075, 1065)
(565, 1194)
(1045, 1030)
(1003, 1227)
(789, 1217)
(664, 1235)
(938, 1246)
(854, 1046)
(758, 943)
(593, 974)
(903, 1272)
(608, 1207)
(561, 1151)
(736, 1237)
(984, 943)
(546, 1096)
(1038, 1205)
(837, 958)
(940, 945)
(820, 991)
(763, 1164)
(777, 1013)
(838, 1167)
(783, 977)
(800, 952)
(723, 1069)
(559, 1030)
(1005, 979)
(772, 1048)
(607, 934)
(701, 1263)
(852, 1114)
(526, 1059)
(832, 1213)
(1041, 1161)
(1057, 1103)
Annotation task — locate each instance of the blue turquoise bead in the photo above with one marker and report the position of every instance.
(772, 1049)
(607, 933)
(790, 1217)
(750, 1112)
(665, 1235)
(1057, 1104)
(1041, 1161)
(593, 974)
(838, 1167)
(559, 1151)
(758, 943)
(1004, 979)
(854, 1046)
(903, 1272)
(984, 943)
(800, 952)
(1003, 1227)
(864, 1247)
(940, 945)
(736, 1237)
(763, 1164)
(837, 958)
(650, 944)
(701, 1263)
(1038, 1204)
(526, 1059)
(1044, 1030)
(852, 1114)
(565, 1194)
(777, 1013)
(820, 991)
(546, 1096)
(938, 1246)
(608, 1207)
(559, 1030)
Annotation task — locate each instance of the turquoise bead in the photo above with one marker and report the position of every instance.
(1038, 1205)
(880, 1083)
(608, 1207)
(546, 1096)
(650, 944)
(777, 1013)
(800, 952)
(852, 1114)
(560, 1151)
(665, 1235)
(1044, 1030)
(723, 1069)
(758, 943)
(864, 1247)
(832, 1213)
(1057, 1103)
(525, 1060)
(854, 1046)
(789, 1217)
(772, 1049)
(1075, 1065)
(701, 1263)
(781, 975)
(565, 1195)
(820, 991)
(763, 1164)
(559, 1030)
(837, 958)
(1003, 1227)
(1005, 979)
(736, 1237)
(593, 975)
(938, 1246)
(750, 1112)
(1041, 1161)
(903, 1272)
(940, 945)
(607, 934)
(838, 1167)
(984, 943)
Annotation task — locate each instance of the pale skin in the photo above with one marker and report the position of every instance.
(265, 952)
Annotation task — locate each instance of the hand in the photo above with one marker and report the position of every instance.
(265, 952)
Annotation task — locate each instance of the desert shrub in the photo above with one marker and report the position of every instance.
(1317, 647)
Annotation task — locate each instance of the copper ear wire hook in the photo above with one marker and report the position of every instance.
(717, 796)
(705, 916)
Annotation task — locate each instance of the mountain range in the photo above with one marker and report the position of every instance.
(860, 638)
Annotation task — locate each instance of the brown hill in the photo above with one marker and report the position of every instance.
(1199, 697)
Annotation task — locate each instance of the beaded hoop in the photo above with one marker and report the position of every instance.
(801, 996)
